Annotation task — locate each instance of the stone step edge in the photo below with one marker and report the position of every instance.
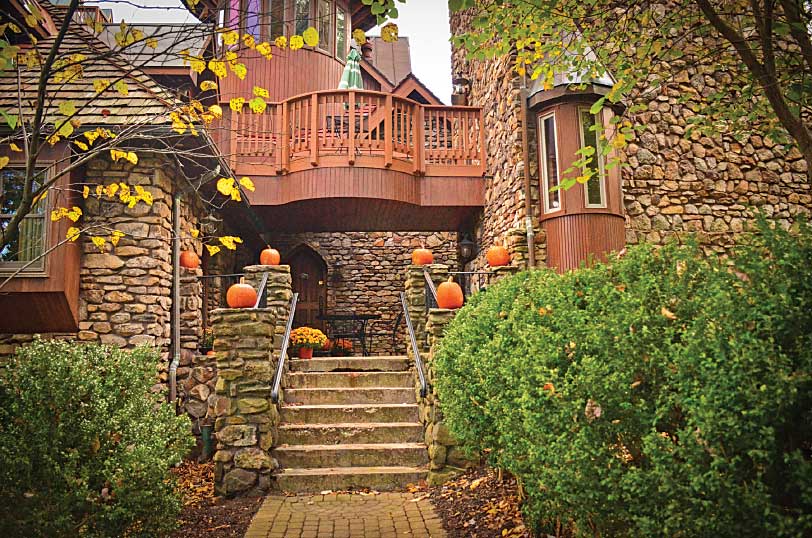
(346, 406)
(350, 447)
(318, 471)
(305, 390)
(368, 357)
(350, 425)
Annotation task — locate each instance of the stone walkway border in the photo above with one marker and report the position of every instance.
(346, 515)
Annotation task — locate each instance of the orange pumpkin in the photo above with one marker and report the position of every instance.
(422, 256)
(269, 256)
(189, 259)
(497, 256)
(241, 296)
(211, 353)
(449, 294)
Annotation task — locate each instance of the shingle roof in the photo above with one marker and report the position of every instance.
(171, 40)
(146, 100)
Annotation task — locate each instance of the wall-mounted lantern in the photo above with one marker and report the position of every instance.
(461, 89)
(466, 249)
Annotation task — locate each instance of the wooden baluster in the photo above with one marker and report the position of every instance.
(482, 149)
(465, 151)
(232, 139)
(419, 140)
(387, 132)
(314, 129)
(351, 129)
(277, 132)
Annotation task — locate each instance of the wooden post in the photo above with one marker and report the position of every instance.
(232, 140)
(351, 131)
(285, 133)
(419, 141)
(387, 132)
(314, 129)
(277, 133)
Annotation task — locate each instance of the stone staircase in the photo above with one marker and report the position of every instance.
(350, 423)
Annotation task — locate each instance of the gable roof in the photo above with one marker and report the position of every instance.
(146, 101)
(413, 84)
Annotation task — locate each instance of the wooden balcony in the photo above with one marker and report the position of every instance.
(361, 145)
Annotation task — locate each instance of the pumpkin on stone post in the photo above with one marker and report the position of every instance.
(449, 294)
(241, 295)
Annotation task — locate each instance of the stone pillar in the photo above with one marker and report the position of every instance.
(278, 293)
(246, 417)
(416, 297)
(516, 244)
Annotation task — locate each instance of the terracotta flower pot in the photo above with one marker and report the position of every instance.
(305, 352)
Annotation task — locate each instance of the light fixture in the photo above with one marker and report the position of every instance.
(461, 88)
(466, 248)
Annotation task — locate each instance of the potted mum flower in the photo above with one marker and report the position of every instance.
(305, 339)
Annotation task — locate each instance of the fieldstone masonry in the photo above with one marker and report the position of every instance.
(246, 345)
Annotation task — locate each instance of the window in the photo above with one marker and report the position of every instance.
(548, 152)
(301, 16)
(251, 19)
(324, 18)
(30, 243)
(594, 189)
(341, 34)
(276, 18)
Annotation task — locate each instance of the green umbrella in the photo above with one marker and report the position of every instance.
(351, 77)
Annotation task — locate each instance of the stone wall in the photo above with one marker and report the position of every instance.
(245, 415)
(365, 271)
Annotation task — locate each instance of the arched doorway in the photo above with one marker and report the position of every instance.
(308, 272)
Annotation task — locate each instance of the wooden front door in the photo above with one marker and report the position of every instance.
(309, 274)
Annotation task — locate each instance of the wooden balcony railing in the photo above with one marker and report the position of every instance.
(338, 128)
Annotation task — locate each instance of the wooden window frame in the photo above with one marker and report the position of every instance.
(38, 268)
(545, 180)
(598, 157)
(331, 45)
(343, 56)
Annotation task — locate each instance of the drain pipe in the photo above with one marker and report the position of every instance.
(175, 321)
(528, 206)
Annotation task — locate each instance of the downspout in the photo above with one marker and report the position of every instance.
(175, 321)
(528, 206)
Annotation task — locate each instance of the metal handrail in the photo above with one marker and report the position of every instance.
(280, 366)
(262, 301)
(415, 348)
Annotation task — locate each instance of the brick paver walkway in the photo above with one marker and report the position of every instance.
(345, 515)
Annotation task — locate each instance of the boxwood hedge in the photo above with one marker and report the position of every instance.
(664, 393)
(85, 446)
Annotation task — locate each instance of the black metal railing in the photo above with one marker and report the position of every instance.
(431, 291)
(262, 300)
(418, 360)
(280, 366)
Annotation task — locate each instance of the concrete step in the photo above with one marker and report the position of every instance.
(350, 364)
(319, 380)
(346, 478)
(351, 455)
(333, 434)
(350, 396)
(339, 414)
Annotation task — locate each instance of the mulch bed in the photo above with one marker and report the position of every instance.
(479, 505)
(205, 515)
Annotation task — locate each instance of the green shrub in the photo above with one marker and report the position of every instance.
(663, 394)
(85, 447)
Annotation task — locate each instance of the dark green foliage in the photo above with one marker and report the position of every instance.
(85, 447)
(665, 394)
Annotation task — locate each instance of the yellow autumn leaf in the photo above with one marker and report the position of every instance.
(72, 233)
(74, 214)
(218, 67)
(281, 42)
(91, 136)
(85, 192)
(225, 185)
(65, 129)
(264, 48)
(208, 85)
(98, 241)
(15, 147)
(99, 191)
(198, 65)
(194, 232)
(4, 161)
(230, 37)
(261, 92)
(257, 105)
(359, 36)
(40, 196)
(100, 84)
(152, 43)
(389, 33)
(121, 87)
(111, 189)
(57, 214)
(115, 236)
(144, 195)
(240, 70)
(67, 108)
(230, 241)
(311, 37)
(296, 42)
(131, 157)
(81, 145)
(247, 184)
(116, 154)
(31, 21)
(236, 104)
(216, 110)
(249, 41)
(213, 249)
(53, 139)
